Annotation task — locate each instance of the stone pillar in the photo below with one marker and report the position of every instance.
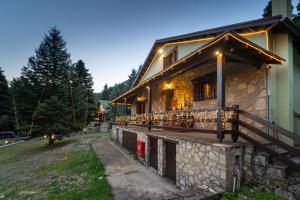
(147, 150)
(161, 157)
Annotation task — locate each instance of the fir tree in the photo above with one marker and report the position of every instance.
(24, 103)
(51, 117)
(131, 78)
(105, 94)
(296, 18)
(268, 10)
(48, 72)
(6, 109)
(84, 89)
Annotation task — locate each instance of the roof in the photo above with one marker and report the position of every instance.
(226, 42)
(277, 23)
(106, 105)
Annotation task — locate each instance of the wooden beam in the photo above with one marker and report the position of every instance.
(125, 109)
(220, 95)
(149, 99)
(149, 104)
(242, 59)
(115, 111)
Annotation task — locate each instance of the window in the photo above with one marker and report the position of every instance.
(205, 87)
(170, 58)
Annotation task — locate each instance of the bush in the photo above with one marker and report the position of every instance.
(247, 193)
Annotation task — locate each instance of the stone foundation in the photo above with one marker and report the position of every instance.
(198, 165)
(211, 166)
(206, 165)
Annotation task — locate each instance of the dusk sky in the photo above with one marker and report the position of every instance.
(110, 36)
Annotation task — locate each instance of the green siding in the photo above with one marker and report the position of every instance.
(281, 84)
(297, 89)
(186, 48)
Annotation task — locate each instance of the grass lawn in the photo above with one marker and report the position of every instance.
(68, 170)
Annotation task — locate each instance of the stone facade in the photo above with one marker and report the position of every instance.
(212, 166)
(244, 85)
(206, 165)
(161, 160)
(260, 169)
(198, 165)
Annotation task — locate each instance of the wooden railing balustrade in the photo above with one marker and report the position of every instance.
(233, 118)
(200, 120)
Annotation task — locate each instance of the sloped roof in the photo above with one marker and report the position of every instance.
(106, 105)
(246, 49)
(277, 23)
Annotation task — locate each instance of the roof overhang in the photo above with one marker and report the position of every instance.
(275, 24)
(230, 44)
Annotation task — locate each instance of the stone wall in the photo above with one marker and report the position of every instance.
(212, 165)
(117, 135)
(244, 85)
(161, 160)
(206, 165)
(260, 169)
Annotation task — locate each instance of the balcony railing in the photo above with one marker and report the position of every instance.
(201, 119)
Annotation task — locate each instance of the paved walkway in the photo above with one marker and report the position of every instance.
(129, 179)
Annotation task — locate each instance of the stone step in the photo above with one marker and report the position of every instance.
(295, 160)
(277, 149)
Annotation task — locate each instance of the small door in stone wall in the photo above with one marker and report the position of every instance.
(153, 152)
(170, 160)
(117, 136)
(129, 141)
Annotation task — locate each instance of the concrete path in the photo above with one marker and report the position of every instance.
(129, 179)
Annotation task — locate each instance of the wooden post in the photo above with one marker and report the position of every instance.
(235, 124)
(115, 111)
(149, 110)
(220, 96)
(125, 110)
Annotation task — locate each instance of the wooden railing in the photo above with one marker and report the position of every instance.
(274, 138)
(233, 120)
(200, 120)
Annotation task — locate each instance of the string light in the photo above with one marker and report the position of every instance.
(199, 40)
(269, 54)
(180, 118)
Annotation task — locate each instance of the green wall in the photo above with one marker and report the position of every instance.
(186, 48)
(297, 90)
(281, 83)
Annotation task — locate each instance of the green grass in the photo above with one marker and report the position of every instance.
(245, 192)
(68, 170)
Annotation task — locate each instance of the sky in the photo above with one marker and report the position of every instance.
(111, 36)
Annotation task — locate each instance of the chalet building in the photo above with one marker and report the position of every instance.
(210, 109)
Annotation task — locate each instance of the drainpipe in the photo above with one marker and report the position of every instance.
(268, 94)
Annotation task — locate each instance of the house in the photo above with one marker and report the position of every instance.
(103, 107)
(205, 103)
(100, 122)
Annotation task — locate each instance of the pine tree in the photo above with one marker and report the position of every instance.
(296, 18)
(131, 78)
(24, 104)
(105, 94)
(6, 109)
(51, 117)
(48, 72)
(85, 81)
(268, 10)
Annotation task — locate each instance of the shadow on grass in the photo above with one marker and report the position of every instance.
(47, 147)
